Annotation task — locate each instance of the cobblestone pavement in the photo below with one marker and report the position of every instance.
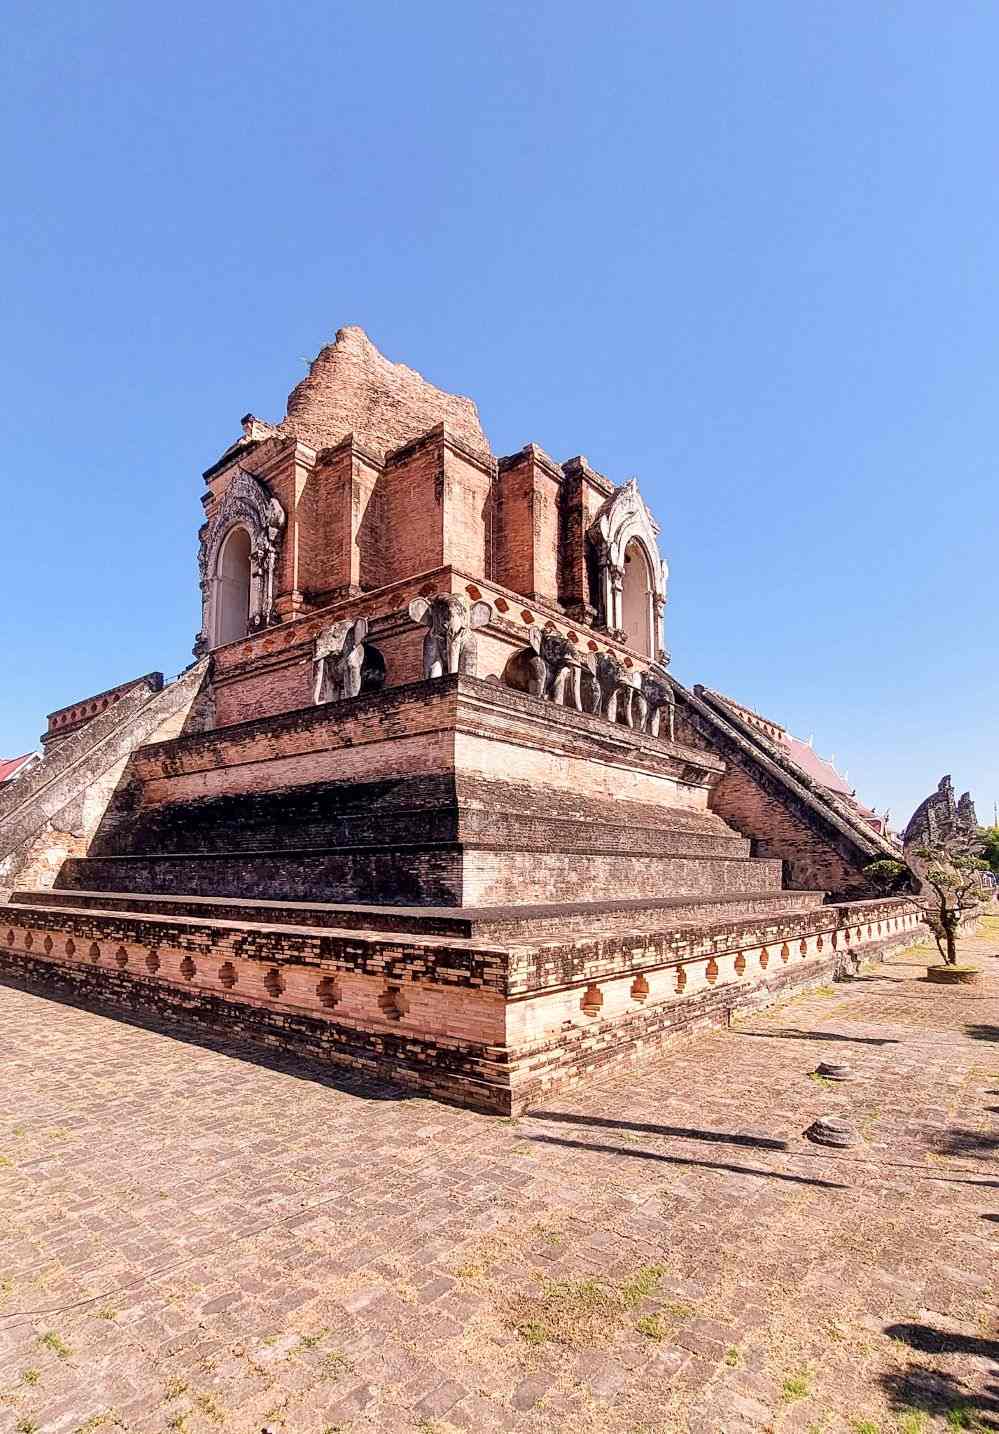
(193, 1240)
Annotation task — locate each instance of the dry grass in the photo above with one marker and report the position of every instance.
(578, 1313)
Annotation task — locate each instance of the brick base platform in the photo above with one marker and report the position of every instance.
(492, 1025)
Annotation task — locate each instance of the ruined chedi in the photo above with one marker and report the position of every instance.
(428, 804)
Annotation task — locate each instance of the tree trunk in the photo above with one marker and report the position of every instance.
(950, 932)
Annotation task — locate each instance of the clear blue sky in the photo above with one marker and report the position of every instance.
(747, 252)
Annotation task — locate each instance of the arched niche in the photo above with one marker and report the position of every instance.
(232, 608)
(629, 570)
(239, 547)
(638, 600)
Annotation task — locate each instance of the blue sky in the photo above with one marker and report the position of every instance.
(744, 251)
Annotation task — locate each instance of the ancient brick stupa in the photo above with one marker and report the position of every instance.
(428, 803)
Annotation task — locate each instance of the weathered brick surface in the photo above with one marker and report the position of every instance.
(55, 810)
(821, 842)
(352, 388)
(482, 1025)
(69, 718)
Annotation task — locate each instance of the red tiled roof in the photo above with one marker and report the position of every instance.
(10, 765)
(817, 767)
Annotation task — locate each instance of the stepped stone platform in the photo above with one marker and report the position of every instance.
(379, 891)
(466, 923)
(492, 1019)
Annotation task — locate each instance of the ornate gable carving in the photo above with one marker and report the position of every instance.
(246, 503)
(624, 518)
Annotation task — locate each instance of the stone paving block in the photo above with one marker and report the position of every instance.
(767, 1256)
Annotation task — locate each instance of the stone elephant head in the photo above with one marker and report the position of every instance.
(449, 645)
(661, 702)
(609, 686)
(342, 663)
(564, 666)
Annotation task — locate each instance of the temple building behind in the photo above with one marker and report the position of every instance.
(429, 803)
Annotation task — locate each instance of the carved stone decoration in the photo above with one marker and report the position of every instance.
(246, 504)
(552, 667)
(661, 700)
(526, 670)
(610, 684)
(450, 644)
(624, 518)
(344, 665)
(634, 703)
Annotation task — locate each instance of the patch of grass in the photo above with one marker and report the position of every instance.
(819, 1079)
(98, 1421)
(52, 1341)
(913, 1421)
(732, 1357)
(643, 1283)
(576, 1313)
(824, 991)
(309, 1341)
(5, 1161)
(178, 1421)
(210, 1408)
(26, 1426)
(962, 1416)
(30, 1376)
(471, 1272)
(334, 1365)
(507, 1120)
(796, 1386)
(567, 1312)
(107, 1313)
(864, 1426)
(175, 1388)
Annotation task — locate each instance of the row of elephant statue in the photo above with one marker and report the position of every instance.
(346, 664)
(599, 683)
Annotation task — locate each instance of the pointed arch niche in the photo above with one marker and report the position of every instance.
(233, 592)
(237, 561)
(631, 575)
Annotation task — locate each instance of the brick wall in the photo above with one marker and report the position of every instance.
(440, 1016)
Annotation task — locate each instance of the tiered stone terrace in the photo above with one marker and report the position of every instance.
(467, 1011)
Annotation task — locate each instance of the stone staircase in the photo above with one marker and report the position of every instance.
(54, 810)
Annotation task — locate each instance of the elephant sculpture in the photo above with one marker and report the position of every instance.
(660, 699)
(551, 667)
(608, 686)
(343, 663)
(449, 645)
(634, 705)
(619, 695)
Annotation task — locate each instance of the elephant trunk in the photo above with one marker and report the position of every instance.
(453, 645)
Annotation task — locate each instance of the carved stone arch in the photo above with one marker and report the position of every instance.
(624, 520)
(245, 504)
